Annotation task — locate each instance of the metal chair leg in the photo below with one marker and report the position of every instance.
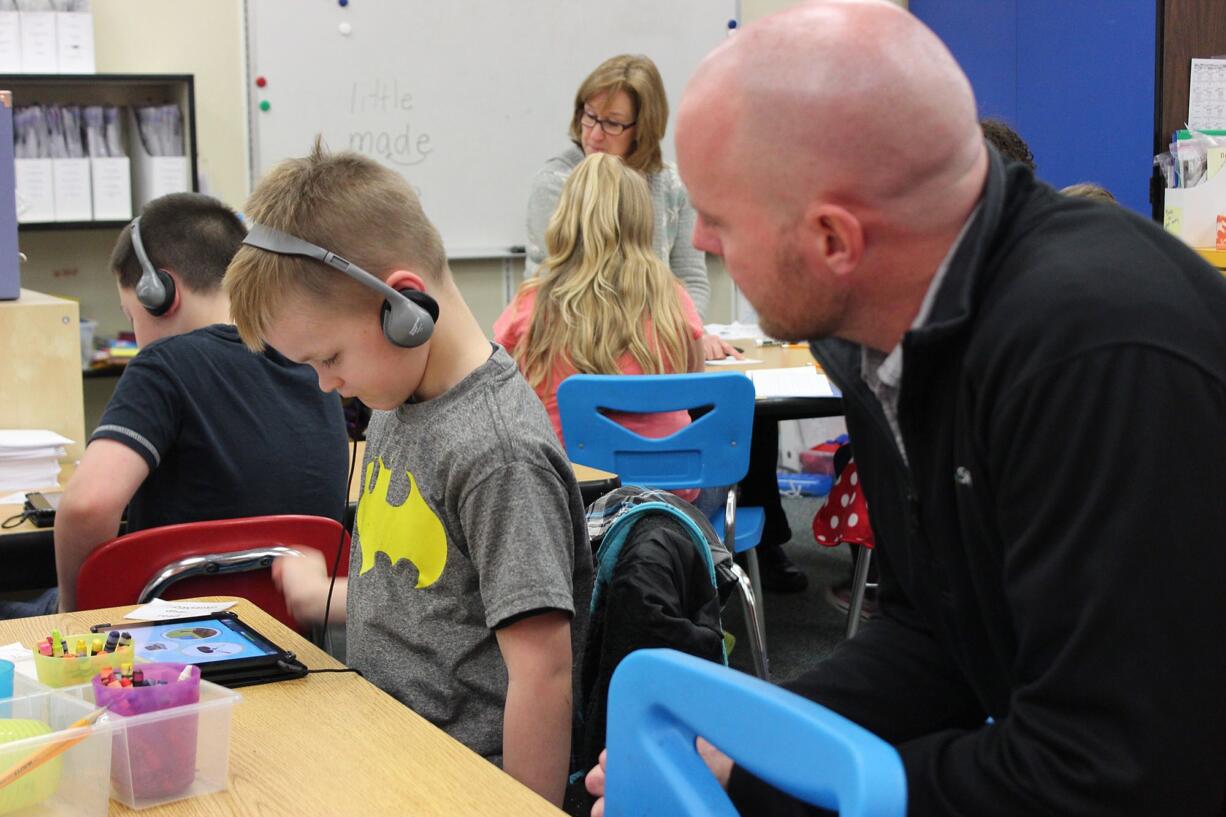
(755, 580)
(753, 625)
(755, 576)
(859, 583)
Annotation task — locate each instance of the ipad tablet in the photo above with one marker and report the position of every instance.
(227, 650)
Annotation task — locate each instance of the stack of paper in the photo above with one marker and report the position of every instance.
(30, 459)
(795, 381)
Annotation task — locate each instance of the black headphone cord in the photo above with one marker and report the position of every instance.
(340, 545)
(15, 520)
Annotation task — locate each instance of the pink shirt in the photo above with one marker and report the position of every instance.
(511, 327)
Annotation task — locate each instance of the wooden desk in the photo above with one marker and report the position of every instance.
(326, 744)
(771, 357)
(28, 553)
(11, 509)
(782, 357)
(589, 479)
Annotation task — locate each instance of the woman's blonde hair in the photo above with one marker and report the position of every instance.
(640, 79)
(602, 282)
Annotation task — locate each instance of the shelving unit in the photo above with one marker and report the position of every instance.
(108, 89)
(99, 89)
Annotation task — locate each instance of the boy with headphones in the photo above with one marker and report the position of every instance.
(470, 570)
(199, 427)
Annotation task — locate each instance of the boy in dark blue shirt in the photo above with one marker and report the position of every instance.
(199, 427)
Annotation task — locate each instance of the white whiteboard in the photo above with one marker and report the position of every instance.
(465, 98)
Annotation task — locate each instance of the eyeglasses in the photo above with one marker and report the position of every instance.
(609, 126)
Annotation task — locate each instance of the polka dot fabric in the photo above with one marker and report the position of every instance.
(844, 517)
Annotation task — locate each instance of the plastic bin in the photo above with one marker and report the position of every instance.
(171, 741)
(68, 672)
(804, 484)
(22, 686)
(77, 782)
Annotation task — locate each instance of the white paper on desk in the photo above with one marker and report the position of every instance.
(31, 438)
(15, 652)
(732, 361)
(734, 330)
(794, 381)
(159, 610)
(14, 499)
(22, 658)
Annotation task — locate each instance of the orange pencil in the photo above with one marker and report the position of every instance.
(29, 764)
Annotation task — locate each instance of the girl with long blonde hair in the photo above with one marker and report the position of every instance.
(603, 302)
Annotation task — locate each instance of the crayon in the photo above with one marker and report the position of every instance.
(126, 669)
(125, 682)
(112, 640)
(97, 647)
(82, 651)
(44, 649)
(138, 678)
(55, 643)
(125, 640)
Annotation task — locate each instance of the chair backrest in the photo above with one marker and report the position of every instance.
(709, 452)
(117, 571)
(660, 700)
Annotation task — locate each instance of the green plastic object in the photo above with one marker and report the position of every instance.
(67, 672)
(35, 786)
(1181, 135)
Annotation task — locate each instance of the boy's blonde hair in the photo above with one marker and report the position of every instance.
(346, 203)
(638, 76)
(602, 282)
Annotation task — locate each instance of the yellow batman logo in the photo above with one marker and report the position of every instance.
(407, 531)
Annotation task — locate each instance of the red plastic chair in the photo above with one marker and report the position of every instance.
(844, 518)
(222, 557)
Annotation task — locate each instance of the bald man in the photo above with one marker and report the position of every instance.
(1035, 388)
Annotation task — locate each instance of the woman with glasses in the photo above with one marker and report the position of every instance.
(621, 109)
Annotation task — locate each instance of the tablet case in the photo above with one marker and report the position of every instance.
(264, 669)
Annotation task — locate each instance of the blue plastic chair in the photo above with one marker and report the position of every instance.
(660, 700)
(711, 452)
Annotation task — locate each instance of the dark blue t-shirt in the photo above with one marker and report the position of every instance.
(226, 432)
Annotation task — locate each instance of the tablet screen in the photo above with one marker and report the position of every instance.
(196, 642)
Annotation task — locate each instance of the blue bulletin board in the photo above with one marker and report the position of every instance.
(1075, 78)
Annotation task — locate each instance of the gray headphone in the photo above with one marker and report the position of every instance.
(407, 316)
(156, 288)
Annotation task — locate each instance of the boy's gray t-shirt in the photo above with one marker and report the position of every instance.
(469, 516)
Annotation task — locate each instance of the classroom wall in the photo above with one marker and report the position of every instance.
(200, 37)
(206, 38)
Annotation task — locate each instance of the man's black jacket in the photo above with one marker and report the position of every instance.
(1053, 554)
